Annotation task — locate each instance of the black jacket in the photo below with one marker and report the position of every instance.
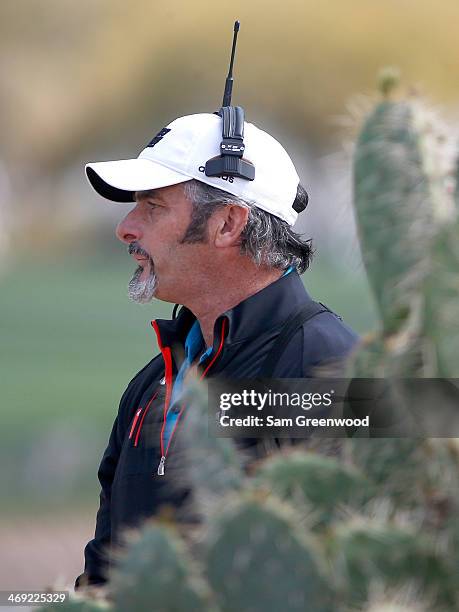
(131, 486)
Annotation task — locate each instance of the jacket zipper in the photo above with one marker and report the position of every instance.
(168, 363)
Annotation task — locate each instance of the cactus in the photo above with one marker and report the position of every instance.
(154, 573)
(404, 166)
(77, 603)
(407, 598)
(321, 482)
(255, 551)
(442, 317)
(390, 607)
(210, 468)
(258, 559)
(456, 181)
(393, 607)
(390, 196)
(394, 466)
(368, 551)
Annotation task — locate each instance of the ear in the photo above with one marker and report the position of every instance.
(227, 225)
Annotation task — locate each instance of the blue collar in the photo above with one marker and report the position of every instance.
(194, 343)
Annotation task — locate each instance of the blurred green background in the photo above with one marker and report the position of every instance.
(96, 80)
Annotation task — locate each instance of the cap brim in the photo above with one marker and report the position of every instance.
(118, 180)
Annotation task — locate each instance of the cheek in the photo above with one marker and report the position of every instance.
(162, 253)
(193, 259)
(164, 234)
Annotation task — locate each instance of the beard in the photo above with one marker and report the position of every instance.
(143, 291)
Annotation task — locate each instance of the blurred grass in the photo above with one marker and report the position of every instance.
(70, 342)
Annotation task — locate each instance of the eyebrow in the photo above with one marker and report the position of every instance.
(145, 195)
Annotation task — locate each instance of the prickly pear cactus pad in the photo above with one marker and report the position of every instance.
(322, 482)
(213, 464)
(405, 198)
(155, 574)
(258, 559)
(77, 604)
(394, 211)
(370, 552)
(394, 466)
(441, 322)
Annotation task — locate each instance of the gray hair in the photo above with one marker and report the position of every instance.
(266, 239)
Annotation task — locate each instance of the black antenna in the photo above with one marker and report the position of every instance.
(230, 162)
(229, 78)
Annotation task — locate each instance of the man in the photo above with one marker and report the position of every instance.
(224, 249)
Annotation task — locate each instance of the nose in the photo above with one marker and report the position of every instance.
(130, 228)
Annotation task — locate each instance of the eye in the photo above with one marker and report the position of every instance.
(152, 205)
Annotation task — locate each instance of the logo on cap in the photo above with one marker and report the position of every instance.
(159, 136)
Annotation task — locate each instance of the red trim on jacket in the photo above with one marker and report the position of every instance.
(167, 356)
(219, 350)
(143, 416)
(136, 417)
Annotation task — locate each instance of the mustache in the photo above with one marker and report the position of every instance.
(135, 249)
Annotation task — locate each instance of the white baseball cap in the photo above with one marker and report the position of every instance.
(179, 153)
